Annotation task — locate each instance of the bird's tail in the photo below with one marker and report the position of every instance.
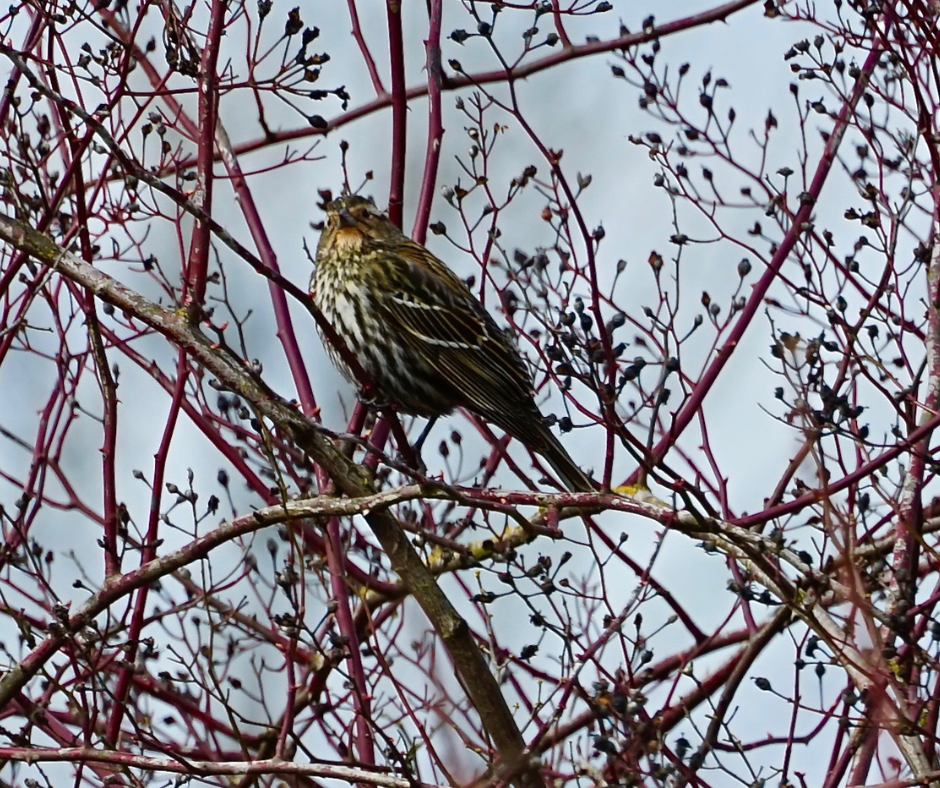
(527, 425)
(570, 474)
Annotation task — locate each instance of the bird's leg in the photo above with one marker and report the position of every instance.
(411, 456)
(419, 444)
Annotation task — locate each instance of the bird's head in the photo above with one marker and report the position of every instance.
(352, 219)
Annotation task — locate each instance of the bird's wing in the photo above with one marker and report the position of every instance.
(435, 312)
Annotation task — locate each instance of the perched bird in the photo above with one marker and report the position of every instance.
(416, 329)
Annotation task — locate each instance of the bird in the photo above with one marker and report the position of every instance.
(424, 340)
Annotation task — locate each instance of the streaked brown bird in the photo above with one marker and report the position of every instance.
(425, 341)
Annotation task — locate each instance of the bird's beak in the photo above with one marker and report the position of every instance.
(346, 219)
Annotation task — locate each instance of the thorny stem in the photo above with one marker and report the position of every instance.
(432, 155)
(399, 102)
(197, 267)
(364, 48)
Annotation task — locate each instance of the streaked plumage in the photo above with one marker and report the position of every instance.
(425, 341)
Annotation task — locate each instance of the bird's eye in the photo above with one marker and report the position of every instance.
(363, 213)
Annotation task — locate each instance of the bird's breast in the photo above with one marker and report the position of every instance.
(348, 239)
